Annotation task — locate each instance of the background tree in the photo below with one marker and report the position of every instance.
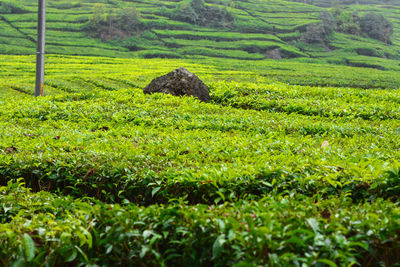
(377, 26)
(314, 34)
(128, 20)
(347, 22)
(198, 13)
(328, 21)
(108, 26)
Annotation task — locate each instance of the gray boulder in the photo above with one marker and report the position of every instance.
(178, 83)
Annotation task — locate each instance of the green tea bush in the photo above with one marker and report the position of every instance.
(94, 144)
(267, 173)
(278, 231)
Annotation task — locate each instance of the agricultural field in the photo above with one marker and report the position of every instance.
(259, 29)
(295, 161)
(268, 173)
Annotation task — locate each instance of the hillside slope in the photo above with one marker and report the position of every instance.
(260, 29)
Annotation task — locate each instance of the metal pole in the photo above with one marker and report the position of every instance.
(40, 52)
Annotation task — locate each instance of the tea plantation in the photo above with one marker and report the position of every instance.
(247, 30)
(96, 173)
(295, 161)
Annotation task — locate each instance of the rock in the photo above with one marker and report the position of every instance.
(178, 83)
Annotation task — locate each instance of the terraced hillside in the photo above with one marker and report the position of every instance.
(266, 173)
(332, 3)
(261, 29)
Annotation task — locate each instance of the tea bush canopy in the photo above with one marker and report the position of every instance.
(263, 171)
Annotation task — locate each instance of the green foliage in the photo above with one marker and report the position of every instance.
(333, 3)
(340, 20)
(328, 22)
(275, 230)
(314, 33)
(104, 134)
(372, 24)
(377, 26)
(266, 174)
(10, 7)
(346, 21)
(226, 29)
(67, 5)
(291, 164)
(390, 186)
(107, 26)
(196, 12)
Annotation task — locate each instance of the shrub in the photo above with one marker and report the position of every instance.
(275, 231)
(196, 12)
(328, 21)
(347, 22)
(108, 26)
(314, 33)
(377, 26)
(318, 33)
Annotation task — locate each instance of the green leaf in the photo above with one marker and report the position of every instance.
(218, 246)
(147, 234)
(327, 262)
(144, 251)
(85, 237)
(73, 253)
(155, 191)
(82, 253)
(19, 263)
(244, 264)
(296, 240)
(29, 247)
(313, 224)
(109, 249)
